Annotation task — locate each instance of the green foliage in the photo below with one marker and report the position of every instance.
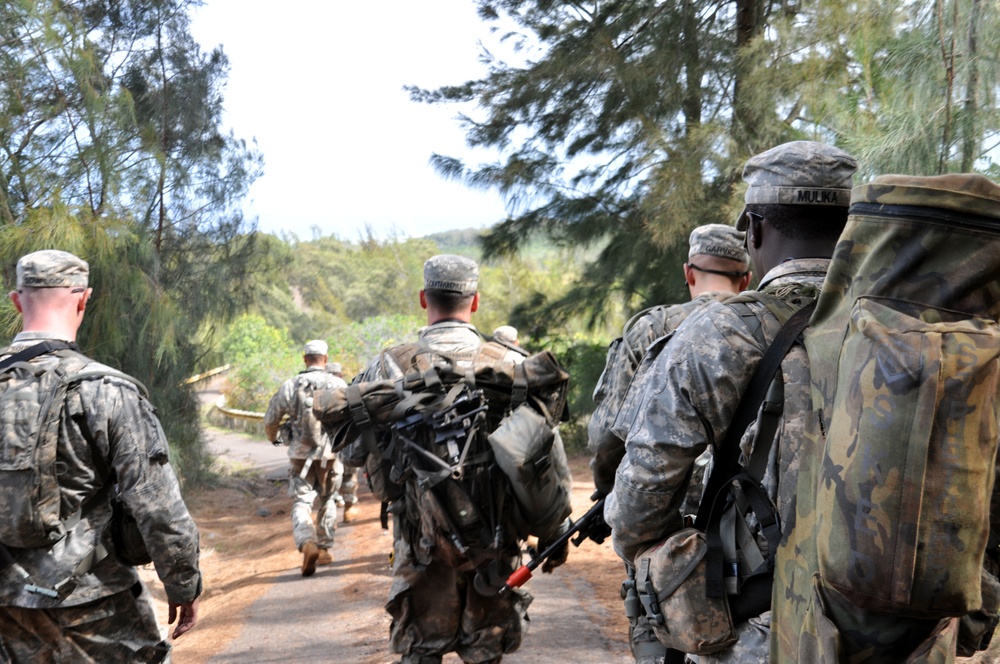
(583, 357)
(110, 148)
(618, 126)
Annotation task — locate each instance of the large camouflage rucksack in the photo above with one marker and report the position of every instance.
(893, 510)
(472, 443)
(33, 396)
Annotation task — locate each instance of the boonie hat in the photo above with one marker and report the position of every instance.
(718, 240)
(315, 347)
(449, 272)
(798, 173)
(52, 268)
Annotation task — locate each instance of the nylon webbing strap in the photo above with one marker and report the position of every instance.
(34, 351)
(727, 454)
(726, 462)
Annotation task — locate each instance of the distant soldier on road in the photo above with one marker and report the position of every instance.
(314, 471)
(347, 495)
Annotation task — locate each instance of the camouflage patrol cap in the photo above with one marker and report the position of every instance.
(315, 347)
(448, 272)
(718, 240)
(52, 268)
(334, 368)
(506, 333)
(798, 173)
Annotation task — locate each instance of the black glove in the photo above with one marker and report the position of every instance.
(599, 529)
(558, 556)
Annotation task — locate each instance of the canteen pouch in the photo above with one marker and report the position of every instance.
(530, 453)
(670, 580)
(904, 351)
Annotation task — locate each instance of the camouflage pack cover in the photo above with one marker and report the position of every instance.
(892, 510)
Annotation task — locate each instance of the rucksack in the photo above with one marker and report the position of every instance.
(892, 517)
(904, 352)
(458, 434)
(32, 404)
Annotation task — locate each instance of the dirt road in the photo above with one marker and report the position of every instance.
(257, 607)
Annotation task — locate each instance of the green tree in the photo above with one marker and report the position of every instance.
(622, 124)
(110, 148)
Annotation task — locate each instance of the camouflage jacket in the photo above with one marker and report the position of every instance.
(286, 402)
(689, 398)
(109, 433)
(624, 355)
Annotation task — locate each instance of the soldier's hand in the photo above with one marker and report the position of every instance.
(599, 529)
(557, 558)
(188, 616)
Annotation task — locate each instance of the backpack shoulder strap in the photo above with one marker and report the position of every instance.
(728, 452)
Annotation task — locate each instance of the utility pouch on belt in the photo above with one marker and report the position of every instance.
(904, 352)
(671, 581)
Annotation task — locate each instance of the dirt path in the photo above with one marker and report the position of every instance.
(257, 607)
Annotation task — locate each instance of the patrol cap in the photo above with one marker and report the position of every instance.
(798, 173)
(506, 333)
(334, 368)
(52, 268)
(449, 272)
(718, 240)
(315, 347)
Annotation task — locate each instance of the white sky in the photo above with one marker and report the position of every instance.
(319, 83)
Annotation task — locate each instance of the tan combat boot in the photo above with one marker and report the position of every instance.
(310, 553)
(348, 513)
(325, 557)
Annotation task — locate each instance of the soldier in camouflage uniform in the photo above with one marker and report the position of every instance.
(347, 495)
(716, 269)
(435, 607)
(796, 208)
(109, 436)
(314, 470)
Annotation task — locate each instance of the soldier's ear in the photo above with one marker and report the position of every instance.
(475, 302)
(423, 299)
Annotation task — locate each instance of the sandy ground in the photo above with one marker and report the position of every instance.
(256, 606)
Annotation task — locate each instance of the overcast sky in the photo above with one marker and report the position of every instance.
(319, 83)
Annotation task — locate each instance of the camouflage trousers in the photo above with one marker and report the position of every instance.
(751, 647)
(349, 485)
(118, 629)
(320, 482)
(436, 609)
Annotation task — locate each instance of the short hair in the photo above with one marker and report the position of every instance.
(804, 222)
(448, 301)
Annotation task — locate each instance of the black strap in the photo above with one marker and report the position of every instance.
(34, 351)
(727, 454)
(726, 462)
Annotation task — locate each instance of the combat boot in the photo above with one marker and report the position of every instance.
(325, 557)
(348, 513)
(310, 553)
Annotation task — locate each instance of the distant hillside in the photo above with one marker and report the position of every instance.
(463, 241)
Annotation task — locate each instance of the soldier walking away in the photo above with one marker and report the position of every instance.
(314, 471)
(437, 604)
(717, 268)
(347, 495)
(86, 439)
(796, 208)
